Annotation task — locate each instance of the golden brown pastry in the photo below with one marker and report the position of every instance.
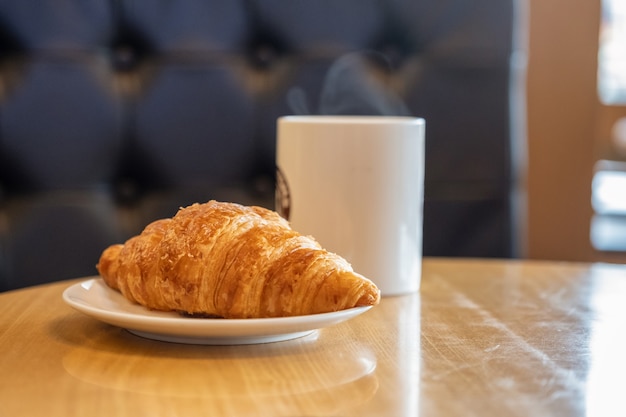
(232, 261)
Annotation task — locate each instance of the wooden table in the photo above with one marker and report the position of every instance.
(483, 338)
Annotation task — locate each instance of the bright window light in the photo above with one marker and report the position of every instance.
(609, 192)
(608, 198)
(612, 53)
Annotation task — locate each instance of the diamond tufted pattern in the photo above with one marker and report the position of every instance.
(114, 113)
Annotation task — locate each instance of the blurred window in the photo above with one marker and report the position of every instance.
(612, 53)
(608, 192)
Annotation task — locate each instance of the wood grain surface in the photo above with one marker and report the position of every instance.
(482, 338)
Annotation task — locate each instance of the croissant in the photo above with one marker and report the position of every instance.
(227, 260)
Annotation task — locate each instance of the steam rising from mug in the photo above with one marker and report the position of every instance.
(356, 84)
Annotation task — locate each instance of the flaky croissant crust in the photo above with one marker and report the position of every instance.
(232, 261)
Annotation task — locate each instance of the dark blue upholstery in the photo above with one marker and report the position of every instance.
(114, 113)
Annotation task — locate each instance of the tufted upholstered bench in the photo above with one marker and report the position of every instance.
(114, 113)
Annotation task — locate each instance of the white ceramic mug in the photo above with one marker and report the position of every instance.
(355, 183)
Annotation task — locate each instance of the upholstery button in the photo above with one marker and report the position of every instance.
(126, 190)
(124, 57)
(263, 184)
(394, 56)
(264, 55)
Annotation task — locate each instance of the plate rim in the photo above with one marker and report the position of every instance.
(166, 326)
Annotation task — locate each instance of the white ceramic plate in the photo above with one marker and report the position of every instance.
(94, 298)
